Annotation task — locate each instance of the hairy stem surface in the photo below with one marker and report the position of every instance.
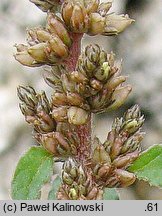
(74, 51)
(84, 131)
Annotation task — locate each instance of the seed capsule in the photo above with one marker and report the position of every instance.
(75, 99)
(104, 171)
(58, 47)
(92, 194)
(38, 52)
(119, 96)
(77, 116)
(97, 23)
(126, 160)
(60, 114)
(56, 26)
(101, 156)
(116, 24)
(126, 178)
(25, 59)
(59, 99)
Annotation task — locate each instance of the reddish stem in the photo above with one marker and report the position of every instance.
(84, 131)
(84, 147)
(75, 51)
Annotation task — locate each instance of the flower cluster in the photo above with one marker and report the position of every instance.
(95, 86)
(93, 17)
(59, 139)
(36, 109)
(122, 147)
(48, 45)
(51, 44)
(77, 184)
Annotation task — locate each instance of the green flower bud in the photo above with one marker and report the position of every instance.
(103, 73)
(67, 179)
(73, 172)
(73, 194)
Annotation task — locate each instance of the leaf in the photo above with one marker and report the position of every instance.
(55, 186)
(110, 194)
(34, 169)
(148, 166)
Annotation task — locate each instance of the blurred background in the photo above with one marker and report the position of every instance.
(140, 47)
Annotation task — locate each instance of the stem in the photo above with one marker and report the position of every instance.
(74, 51)
(84, 131)
(84, 147)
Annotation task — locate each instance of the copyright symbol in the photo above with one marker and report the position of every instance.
(9, 207)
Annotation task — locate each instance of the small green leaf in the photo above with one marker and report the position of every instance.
(34, 169)
(148, 166)
(110, 194)
(55, 186)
